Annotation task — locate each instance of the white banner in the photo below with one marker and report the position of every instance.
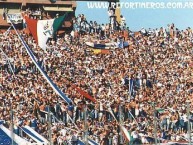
(15, 18)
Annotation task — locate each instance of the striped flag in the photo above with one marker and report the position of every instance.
(85, 94)
(43, 29)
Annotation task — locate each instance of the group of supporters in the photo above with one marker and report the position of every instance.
(145, 87)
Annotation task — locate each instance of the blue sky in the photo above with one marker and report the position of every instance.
(147, 18)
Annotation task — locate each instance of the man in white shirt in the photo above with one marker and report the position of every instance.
(185, 118)
(122, 21)
(134, 134)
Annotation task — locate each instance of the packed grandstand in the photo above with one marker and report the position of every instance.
(96, 85)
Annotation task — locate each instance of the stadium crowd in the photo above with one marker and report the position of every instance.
(145, 85)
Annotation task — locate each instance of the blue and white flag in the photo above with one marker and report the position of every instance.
(35, 136)
(92, 142)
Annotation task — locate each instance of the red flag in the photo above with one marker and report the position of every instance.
(32, 26)
(85, 94)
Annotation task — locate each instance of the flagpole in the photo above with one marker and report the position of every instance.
(12, 125)
(85, 126)
(120, 141)
(49, 126)
(155, 123)
(129, 90)
(2, 74)
(188, 112)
